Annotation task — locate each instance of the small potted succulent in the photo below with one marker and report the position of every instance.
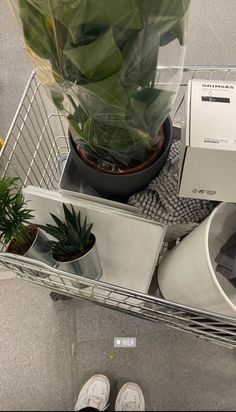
(17, 235)
(113, 68)
(74, 249)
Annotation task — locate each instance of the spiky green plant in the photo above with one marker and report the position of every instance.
(14, 215)
(73, 235)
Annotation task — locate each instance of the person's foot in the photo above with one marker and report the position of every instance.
(130, 398)
(94, 394)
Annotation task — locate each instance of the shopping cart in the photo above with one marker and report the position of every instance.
(33, 150)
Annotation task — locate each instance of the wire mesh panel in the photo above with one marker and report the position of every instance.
(36, 140)
(213, 327)
(35, 144)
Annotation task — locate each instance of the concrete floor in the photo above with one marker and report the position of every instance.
(47, 350)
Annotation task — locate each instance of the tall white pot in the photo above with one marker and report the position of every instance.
(187, 275)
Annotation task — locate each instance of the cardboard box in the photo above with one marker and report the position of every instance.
(208, 143)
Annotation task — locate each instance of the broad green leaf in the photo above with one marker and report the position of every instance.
(141, 62)
(102, 13)
(97, 60)
(178, 31)
(96, 96)
(127, 140)
(40, 5)
(35, 29)
(58, 99)
(80, 115)
(161, 105)
(157, 112)
(115, 139)
(152, 107)
(76, 126)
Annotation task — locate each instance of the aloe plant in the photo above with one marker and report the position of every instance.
(102, 60)
(73, 235)
(15, 216)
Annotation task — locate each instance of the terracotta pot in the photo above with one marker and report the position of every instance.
(151, 159)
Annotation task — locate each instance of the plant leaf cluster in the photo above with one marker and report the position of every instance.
(73, 234)
(15, 216)
(104, 57)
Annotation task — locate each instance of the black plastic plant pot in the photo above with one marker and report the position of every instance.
(121, 186)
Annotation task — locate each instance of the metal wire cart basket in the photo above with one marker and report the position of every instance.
(34, 149)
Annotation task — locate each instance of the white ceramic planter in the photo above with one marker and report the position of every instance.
(188, 276)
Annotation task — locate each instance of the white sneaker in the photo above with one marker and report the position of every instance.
(94, 394)
(130, 398)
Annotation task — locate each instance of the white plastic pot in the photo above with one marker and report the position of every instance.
(187, 275)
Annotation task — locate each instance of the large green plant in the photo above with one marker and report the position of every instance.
(105, 56)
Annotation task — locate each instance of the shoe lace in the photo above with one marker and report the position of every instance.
(96, 401)
(128, 406)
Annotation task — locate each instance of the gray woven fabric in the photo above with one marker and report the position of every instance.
(160, 201)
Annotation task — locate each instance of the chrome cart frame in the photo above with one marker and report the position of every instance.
(36, 142)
